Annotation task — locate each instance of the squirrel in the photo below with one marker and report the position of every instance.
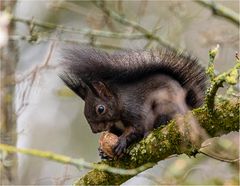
(130, 93)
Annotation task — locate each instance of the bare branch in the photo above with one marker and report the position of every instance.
(219, 158)
(75, 41)
(221, 11)
(86, 32)
(147, 34)
(79, 163)
(31, 76)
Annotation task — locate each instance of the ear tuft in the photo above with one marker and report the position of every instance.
(101, 90)
(74, 83)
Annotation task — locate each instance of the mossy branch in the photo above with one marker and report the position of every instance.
(159, 145)
(221, 11)
(230, 77)
(167, 141)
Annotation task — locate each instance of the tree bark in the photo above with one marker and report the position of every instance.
(9, 57)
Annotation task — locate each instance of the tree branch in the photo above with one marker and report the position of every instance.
(167, 141)
(221, 11)
(231, 77)
(79, 163)
(8, 62)
(74, 41)
(121, 19)
(87, 32)
(159, 145)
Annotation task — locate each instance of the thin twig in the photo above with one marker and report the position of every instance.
(75, 41)
(32, 75)
(87, 32)
(212, 55)
(221, 11)
(230, 77)
(79, 163)
(219, 158)
(125, 21)
(154, 31)
(38, 68)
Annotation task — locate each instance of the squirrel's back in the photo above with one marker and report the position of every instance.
(89, 64)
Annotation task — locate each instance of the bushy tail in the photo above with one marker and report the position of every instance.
(89, 64)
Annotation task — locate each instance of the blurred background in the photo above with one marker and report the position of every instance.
(50, 117)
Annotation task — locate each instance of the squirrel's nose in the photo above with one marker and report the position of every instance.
(94, 128)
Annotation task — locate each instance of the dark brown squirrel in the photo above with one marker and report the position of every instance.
(129, 93)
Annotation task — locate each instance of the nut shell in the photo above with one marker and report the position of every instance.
(107, 141)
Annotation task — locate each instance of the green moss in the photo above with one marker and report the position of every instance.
(232, 78)
(226, 116)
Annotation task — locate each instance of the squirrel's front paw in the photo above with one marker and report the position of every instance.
(120, 148)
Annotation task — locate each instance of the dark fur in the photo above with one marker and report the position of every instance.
(126, 66)
(142, 89)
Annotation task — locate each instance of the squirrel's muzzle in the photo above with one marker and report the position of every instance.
(100, 127)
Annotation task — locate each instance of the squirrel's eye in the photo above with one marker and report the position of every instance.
(100, 109)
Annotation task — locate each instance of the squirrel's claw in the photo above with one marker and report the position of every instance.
(120, 148)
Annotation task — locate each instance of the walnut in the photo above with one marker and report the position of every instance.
(107, 141)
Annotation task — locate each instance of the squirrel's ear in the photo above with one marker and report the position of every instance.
(75, 84)
(82, 90)
(101, 90)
